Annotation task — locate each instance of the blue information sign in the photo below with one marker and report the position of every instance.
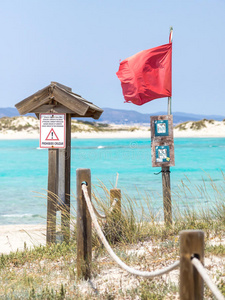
(161, 128)
(162, 153)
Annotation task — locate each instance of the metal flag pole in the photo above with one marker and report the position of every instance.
(170, 98)
(167, 205)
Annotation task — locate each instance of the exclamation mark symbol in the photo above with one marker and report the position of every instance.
(52, 135)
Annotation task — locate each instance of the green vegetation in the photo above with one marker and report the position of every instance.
(32, 124)
(198, 124)
(7, 123)
(79, 126)
(181, 126)
(137, 236)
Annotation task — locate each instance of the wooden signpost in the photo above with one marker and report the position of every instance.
(55, 105)
(162, 148)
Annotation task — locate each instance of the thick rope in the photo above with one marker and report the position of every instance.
(113, 255)
(110, 210)
(214, 289)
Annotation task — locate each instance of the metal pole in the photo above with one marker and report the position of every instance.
(170, 98)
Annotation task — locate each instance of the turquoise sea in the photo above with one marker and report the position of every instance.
(23, 172)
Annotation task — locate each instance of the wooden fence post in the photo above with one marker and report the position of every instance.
(116, 194)
(167, 205)
(65, 213)
(52, 192)
(84, 231)
(191, 283)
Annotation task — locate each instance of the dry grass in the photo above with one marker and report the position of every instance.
(137, 238)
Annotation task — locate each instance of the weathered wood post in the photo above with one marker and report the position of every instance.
(167, 204)
(191, 283)
(52, 191)
(84, 230)
(116, 194)
(59, 101)
(162, 148)
(65, 212)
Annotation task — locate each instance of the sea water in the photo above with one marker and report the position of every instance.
(199, 162)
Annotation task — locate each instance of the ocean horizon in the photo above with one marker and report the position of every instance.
(24, 173)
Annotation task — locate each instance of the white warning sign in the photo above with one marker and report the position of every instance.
(52, 130)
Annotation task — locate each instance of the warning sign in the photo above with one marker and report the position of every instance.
(52, 130)
(52, 136)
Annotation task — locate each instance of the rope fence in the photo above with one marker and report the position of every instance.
(112, 253)
(192, 272)
(101, 216)
(211, 285)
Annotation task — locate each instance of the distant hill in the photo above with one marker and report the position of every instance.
(119, 116)
(10, 112)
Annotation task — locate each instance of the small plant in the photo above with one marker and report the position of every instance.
(216, 250)
(181, 126)
(198, 125)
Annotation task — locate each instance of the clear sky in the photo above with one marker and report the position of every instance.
(79, 43)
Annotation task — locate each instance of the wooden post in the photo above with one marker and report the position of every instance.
(167, 205)
(116, 194)
(65, 213)
(84, 231)
(52, 192)
(61, 177)
(191, 283)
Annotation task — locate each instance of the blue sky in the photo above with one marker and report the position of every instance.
(80, 44)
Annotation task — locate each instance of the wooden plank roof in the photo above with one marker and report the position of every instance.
(58, 98)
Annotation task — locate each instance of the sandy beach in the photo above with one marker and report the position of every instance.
(11, 135)
(28, 128)
(17, 237)
(217, 130)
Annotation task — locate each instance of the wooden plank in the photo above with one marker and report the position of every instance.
(191, 283)
(69, 101)
(89, 114)
(52, 192)
(65, 214)
(169, 163)
(116, 194)
(51, 108)
(34, 101)
(84, 231)
(61, 86)
(161, 118)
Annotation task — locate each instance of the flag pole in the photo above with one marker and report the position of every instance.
(167, 204)
(170, 98)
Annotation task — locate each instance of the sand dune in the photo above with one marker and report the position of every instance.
(28, 128)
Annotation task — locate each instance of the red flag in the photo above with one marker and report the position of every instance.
(146, 75)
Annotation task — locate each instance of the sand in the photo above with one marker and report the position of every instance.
(211, 129)
(16, 237)
(205, 133)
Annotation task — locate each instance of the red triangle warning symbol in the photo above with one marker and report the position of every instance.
(52, 136)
